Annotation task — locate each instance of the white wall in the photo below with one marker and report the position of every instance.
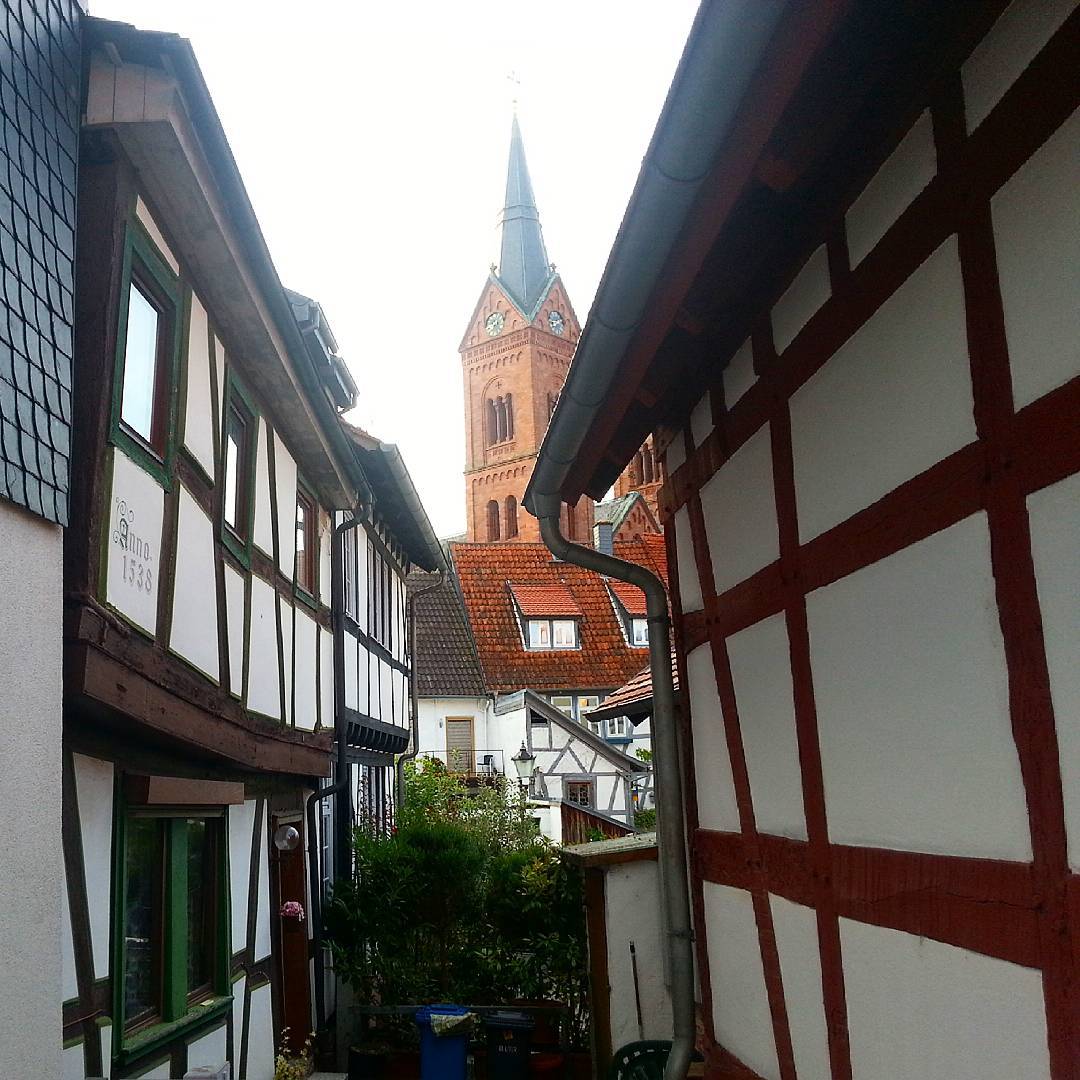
(632, 901)
(31, 873)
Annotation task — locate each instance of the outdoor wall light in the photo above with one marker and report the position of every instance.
(525, 763)
(286, 838)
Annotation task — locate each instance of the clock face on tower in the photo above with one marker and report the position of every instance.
(494, 323)
(556, 322)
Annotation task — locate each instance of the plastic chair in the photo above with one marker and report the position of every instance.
(639, 1061)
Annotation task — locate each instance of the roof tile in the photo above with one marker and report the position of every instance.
(538, 601)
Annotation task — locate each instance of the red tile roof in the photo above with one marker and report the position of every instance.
(634, 697)
(540, 601)
(630, 596)
(604, 661)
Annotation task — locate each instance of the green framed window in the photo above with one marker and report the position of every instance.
(240, 432)
(172, 932)
(148, 345)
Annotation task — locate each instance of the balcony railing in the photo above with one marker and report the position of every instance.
(469, 763)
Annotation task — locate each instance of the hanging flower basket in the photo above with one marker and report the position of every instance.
(292, 909)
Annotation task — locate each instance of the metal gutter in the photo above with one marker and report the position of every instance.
(667, 768)
(722, 53)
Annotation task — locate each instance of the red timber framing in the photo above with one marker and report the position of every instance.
(1024, 913)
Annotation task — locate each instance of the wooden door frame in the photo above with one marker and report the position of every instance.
(275, 821)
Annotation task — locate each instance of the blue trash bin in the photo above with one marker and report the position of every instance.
(442, 1057)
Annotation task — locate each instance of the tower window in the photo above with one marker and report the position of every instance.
(493, 520)
(511, 517)
(499, 419)
(571, 523)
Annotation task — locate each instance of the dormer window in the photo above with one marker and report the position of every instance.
(552, 634)
(548, 615)
(629, 604)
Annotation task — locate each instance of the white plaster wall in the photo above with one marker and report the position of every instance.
(701, 423)
(674, 454)
(1055, 545)
(717, 808)
(306, 689)
(234, 603)
(142, 212)
(386, 682)
(195, 613)
(262, 920)
(74, 1063)
(1037, 233)
(919, 1008)
(909, 673)
(795, 928)
(211, 1049)
(285, 475)
(1001, 57)
(810, 289)
(263, 685)
(261, 1037)
(739, 374)
(241, 823)
(140, 500)
(363, 558)
(632, 903)
(739, 506)
(893, 401)
(219, 354)
(31, 859)
(264, 525)
(106, 1042)
(94, 787)
(326, 671)
(238, 986)
(199, 414)
(352, 653)
(326, 534)
(903, 176)
(761, 671)
(549, 816)
(69, 985)
(370, 691)
(689, 585)
(741, 1014)
(285, 614)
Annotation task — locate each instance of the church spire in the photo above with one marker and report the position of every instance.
(523, 263)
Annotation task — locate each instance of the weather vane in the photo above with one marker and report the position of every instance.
(514, 78)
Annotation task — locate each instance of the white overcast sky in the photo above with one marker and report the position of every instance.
(373, 140)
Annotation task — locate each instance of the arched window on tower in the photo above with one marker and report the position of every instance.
(571, 523)
(647, 476)
(493, 520)
(637, 470)
(511, 517)
(491, 422)
(500, 418)
(509, 416)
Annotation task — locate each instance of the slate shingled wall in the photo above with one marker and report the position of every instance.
(39, 135)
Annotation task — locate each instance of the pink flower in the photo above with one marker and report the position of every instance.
(292, 909)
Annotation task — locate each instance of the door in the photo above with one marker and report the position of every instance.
(288, 883)
(459, 744)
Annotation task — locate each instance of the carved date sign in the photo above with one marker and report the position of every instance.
(137, 556)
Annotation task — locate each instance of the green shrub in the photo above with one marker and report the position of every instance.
(462, 902)
(645, 820)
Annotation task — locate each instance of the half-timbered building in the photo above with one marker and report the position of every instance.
(215, 494)
(848, 278)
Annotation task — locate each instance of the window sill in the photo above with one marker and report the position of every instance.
(305, 597)
(150, 1039)
(240, 549)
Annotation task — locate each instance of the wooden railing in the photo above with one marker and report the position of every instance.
(580, 824)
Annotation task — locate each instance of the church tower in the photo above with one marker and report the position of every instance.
(514, 359)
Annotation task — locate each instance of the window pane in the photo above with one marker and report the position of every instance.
(201, 883)
(142, 920)
(140, 364)
(301, 529)
(641, 632)
(564, 633)
(234, 445)
(564, 704)
(539, 634)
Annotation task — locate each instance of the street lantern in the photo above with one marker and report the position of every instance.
(525, 763)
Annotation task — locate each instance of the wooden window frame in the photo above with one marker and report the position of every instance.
(551, 646)
(237, 398)
(144, 266)
(307, 590)
(179, 1006)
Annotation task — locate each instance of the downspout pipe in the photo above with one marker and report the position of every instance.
(671, 834)
(341, 765)
(414, 694)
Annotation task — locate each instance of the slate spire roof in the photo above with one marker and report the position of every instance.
(524, 270)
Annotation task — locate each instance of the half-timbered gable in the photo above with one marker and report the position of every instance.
(199, 647)
(855, 338)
